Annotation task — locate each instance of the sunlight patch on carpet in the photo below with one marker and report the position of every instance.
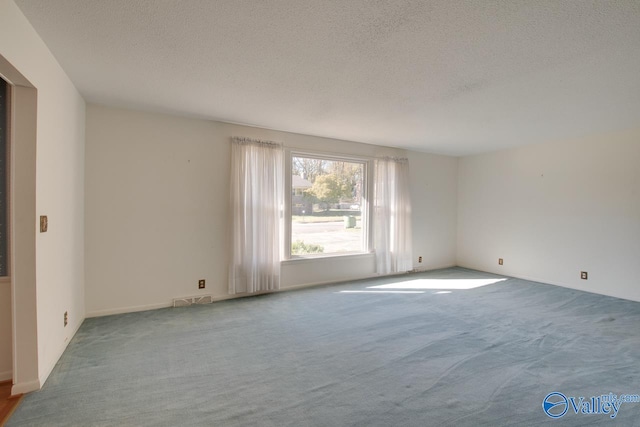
(458, 284)
(381, 292)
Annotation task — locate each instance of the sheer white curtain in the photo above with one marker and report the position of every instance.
(256, 203)
(392, 215)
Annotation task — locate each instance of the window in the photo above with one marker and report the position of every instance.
(328, 213)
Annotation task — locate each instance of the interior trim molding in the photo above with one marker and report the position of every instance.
(132, 309)
(25, 387)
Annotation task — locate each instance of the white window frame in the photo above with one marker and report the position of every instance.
(367, 197)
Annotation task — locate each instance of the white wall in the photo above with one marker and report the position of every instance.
(157, 209)
(59, 193)
(553, 210)
(434, 202)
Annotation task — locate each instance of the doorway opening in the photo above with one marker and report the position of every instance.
(6, 356)
(8, 402)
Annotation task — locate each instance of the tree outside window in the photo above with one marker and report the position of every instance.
(326, 206)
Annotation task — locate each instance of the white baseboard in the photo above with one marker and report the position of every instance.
(424, 268)
(546, 282)
(25, 387)
(6, 375)
(132, 309)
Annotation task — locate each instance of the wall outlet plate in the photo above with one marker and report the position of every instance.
(500, 261)
(44, 223)
(201, 284)
(584, 275)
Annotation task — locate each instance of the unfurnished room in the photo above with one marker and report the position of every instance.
(319, 213)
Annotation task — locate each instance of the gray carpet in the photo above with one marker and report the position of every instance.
(329, 356)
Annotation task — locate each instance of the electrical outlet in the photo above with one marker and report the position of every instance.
(66, 318)
(419, 259)
(201, 284)
(44, 223)
(584, 275)
(500, 261)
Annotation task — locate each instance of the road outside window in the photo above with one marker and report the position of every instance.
(326, 206)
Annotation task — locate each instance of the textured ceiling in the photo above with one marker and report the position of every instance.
(453, 77)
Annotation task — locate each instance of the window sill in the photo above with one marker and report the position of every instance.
(313, 258)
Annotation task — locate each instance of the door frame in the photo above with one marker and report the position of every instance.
(22, 224)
